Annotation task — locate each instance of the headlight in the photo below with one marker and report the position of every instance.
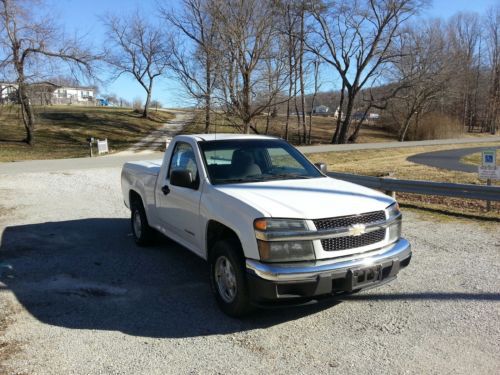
(393, 210)
(270, 225)
(285, 251)
(395, 228)
(282, 251)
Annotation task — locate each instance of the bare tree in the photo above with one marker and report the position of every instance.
(247, 32)
(464, 35)
(317, 85)
(355, 39)
(300, 68)
(288, 30)
(423, 69)
(138, 48)
(492, 34)
(195, 62)
(28, 45)
(275, 70)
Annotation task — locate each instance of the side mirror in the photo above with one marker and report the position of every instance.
(183, 178)
(321, 167)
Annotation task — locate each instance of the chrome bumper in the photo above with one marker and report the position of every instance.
(304, 272)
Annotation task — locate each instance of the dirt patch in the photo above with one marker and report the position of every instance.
(7, 348)
(5, 211)
(457, 207)
(68, 285)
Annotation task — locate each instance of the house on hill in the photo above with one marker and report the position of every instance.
(321, 110)
(74, 95)
(48, 93)
(8, 92)
(41, 93)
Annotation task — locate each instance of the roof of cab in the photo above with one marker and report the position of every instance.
(226, 136)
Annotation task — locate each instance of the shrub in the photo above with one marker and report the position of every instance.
(137, 104)
(435, 126)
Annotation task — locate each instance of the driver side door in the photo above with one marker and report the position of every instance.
(178, 207)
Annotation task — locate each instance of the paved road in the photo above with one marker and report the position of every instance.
(118, 160)
(448, 159)
(382, 145)
(33, 166)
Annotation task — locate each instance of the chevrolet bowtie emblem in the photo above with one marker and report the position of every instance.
(357, 229)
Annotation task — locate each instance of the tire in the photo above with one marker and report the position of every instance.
(228, 279)
(142, 232)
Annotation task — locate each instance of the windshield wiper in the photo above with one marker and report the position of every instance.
(237, 180)
(289, 175)
(268, 177)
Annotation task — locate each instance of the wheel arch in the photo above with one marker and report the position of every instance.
(134, 197)
(217, 231)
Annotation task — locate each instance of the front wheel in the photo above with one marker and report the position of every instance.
(227, 278)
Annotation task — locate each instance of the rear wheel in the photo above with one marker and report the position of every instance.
(143, 233)
(227, 278)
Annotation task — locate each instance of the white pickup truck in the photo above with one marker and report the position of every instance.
(271, 224)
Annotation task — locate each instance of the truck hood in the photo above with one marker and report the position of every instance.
(307, 198)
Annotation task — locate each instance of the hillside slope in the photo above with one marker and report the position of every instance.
(62, 131)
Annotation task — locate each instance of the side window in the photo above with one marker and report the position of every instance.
(183, 158)
(280, 159)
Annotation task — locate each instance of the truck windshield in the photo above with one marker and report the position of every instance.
(253, 160)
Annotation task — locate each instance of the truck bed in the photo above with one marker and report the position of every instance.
(147, 166)
(141, 176)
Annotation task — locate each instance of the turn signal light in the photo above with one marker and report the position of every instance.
(260, 224)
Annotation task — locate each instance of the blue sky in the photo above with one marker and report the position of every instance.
(83, 17)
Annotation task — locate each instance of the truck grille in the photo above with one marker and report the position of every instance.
(351, 242)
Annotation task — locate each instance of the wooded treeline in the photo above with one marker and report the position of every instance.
(251, 59)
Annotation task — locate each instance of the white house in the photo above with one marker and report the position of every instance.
(321, 109)
(46, 93)
(73, 95)
(6, 91)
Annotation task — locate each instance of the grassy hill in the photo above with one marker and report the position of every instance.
(61, 131)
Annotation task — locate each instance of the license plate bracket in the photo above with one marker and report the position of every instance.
(362, 277)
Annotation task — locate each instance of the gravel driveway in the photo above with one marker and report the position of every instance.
(78, 297)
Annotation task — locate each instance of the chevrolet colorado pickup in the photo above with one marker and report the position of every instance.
(272, 225)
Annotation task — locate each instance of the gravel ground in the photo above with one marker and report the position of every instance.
(78, 297)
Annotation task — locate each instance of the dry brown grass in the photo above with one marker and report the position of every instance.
(394, 163)
(385, 162)
(433, 126)
(322, 128)
(436, 126)
(475, 159)
(62, 131)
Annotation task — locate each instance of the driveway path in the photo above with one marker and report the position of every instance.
(448, 159)
(158, 138)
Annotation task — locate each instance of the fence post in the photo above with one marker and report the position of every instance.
(488, 203)
(391, 193)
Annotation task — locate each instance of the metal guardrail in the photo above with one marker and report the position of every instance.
(487, 193)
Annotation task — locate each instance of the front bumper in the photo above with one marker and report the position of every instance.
(269, 282)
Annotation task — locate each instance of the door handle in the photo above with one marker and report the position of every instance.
(165, 189)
